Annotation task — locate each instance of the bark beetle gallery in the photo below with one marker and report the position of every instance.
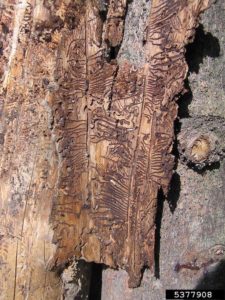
(114, 128)
(111, 122)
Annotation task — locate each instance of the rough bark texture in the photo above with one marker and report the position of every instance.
(190, 235)
(86, 134)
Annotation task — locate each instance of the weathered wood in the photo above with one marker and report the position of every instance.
(86, 133)
(28, 162)
(114, 130)
(190, 225)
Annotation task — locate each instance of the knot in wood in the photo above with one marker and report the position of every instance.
(200, 149)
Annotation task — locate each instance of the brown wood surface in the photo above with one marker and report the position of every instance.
(114, 129)
(84, 138)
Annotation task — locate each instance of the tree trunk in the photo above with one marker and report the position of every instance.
(87, 105)
(190, 246)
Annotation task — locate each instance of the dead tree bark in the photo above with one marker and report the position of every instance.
(190, 235)
(87, 131)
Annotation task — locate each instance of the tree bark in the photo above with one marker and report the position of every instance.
(190, 234)
(88, 103)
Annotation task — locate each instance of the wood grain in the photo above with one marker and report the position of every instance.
(85, 141)
(114, 124)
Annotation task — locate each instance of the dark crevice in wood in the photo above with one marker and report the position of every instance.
(103, 14)
(185, 100)
(111, 94)
(96, 282)
(175, 184)
(174, 192)
(158, 222)
(175, 151)
(112, 53)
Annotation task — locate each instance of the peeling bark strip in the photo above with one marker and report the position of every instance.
(27, 163)
(113, 128)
